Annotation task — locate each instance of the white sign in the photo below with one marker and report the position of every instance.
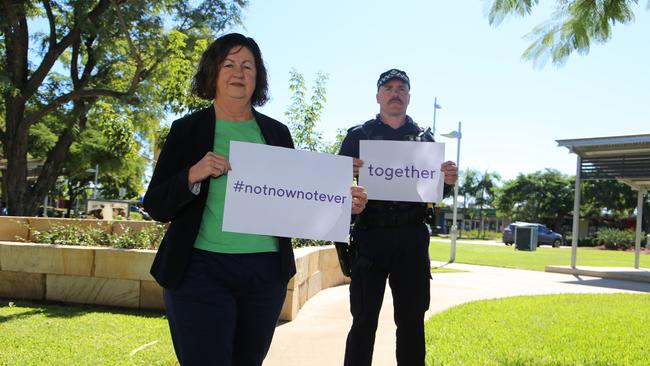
(402, 170)
(288, 193)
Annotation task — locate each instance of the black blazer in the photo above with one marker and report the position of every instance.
(169, 199)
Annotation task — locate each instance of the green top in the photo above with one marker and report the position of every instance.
(211, 237)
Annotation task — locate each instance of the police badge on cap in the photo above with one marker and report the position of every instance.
(393, 74)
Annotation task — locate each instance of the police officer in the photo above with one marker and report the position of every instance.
(390, 239)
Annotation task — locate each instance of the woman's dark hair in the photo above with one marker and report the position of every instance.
(204, 81)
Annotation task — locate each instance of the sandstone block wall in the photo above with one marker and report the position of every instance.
(119, 277)
(317, 269)
(85, 275)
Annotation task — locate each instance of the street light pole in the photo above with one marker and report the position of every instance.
(454, 227)
(436, 106)
(96, 176)
(96, 171)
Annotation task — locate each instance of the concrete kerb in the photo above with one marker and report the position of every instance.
(615, 273)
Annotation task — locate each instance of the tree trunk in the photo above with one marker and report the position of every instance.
(72, 195)
(52, 167)
(23, 197)
(15, 151)
(559, 224)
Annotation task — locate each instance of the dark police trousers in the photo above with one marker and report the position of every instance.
(401, 256)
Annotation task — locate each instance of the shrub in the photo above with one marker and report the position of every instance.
(299, 243)
(71, 235)
(148, 237)
(475, 234)
(616, 239)
(589, 241)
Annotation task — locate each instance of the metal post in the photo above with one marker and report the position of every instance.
(96, 176)
(435, 108)
(576, 216)
(45, 204)
(454, 226)
(639, 217)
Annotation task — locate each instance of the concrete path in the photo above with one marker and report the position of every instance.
(317, 336)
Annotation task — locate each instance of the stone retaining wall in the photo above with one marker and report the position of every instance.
(120, 277)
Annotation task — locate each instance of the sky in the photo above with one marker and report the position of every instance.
(511, 111)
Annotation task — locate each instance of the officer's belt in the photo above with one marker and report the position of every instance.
(390, 220)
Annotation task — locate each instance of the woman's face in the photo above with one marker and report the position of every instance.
(237, 74)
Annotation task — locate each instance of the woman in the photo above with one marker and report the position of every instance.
(223, 291)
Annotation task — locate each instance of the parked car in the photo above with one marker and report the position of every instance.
(544, 234)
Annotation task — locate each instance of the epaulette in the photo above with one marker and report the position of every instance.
(354, 128)
(369, 128)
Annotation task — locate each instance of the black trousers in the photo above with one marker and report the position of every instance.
(401, 256)
(225, 311)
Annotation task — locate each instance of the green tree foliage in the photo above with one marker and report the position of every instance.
(334, 147)
(107, 142)
(573, 27)
(545, 197)
(607, 196)
(478, 191)
(136, 57)
(548, 197)
(303, 115)
(486, 189)
(613, 199)
(468, 186)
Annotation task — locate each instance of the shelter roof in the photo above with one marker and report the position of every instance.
(624, 158)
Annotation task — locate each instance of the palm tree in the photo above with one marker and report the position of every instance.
(468, 188)
(485, 193)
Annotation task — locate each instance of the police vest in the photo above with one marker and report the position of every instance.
(393, 213)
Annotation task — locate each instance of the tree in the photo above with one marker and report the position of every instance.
(108, 143)
(613, 198)
(136, 56)
(468, 186)
(302, 115)
(335, 146)
(485, 188)
(538, 197)
(574, 25)
(599, 196)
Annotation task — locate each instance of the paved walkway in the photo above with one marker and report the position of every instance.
(317, 336)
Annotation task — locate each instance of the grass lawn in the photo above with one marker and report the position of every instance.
(559, 330)
(507, 256)
(37, 334)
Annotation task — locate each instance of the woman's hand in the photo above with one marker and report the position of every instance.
(359, 199)
(211, 165)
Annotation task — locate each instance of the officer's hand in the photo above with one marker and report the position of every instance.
(359, 199)
(211, 165)
(356, 165)
(450, 171)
